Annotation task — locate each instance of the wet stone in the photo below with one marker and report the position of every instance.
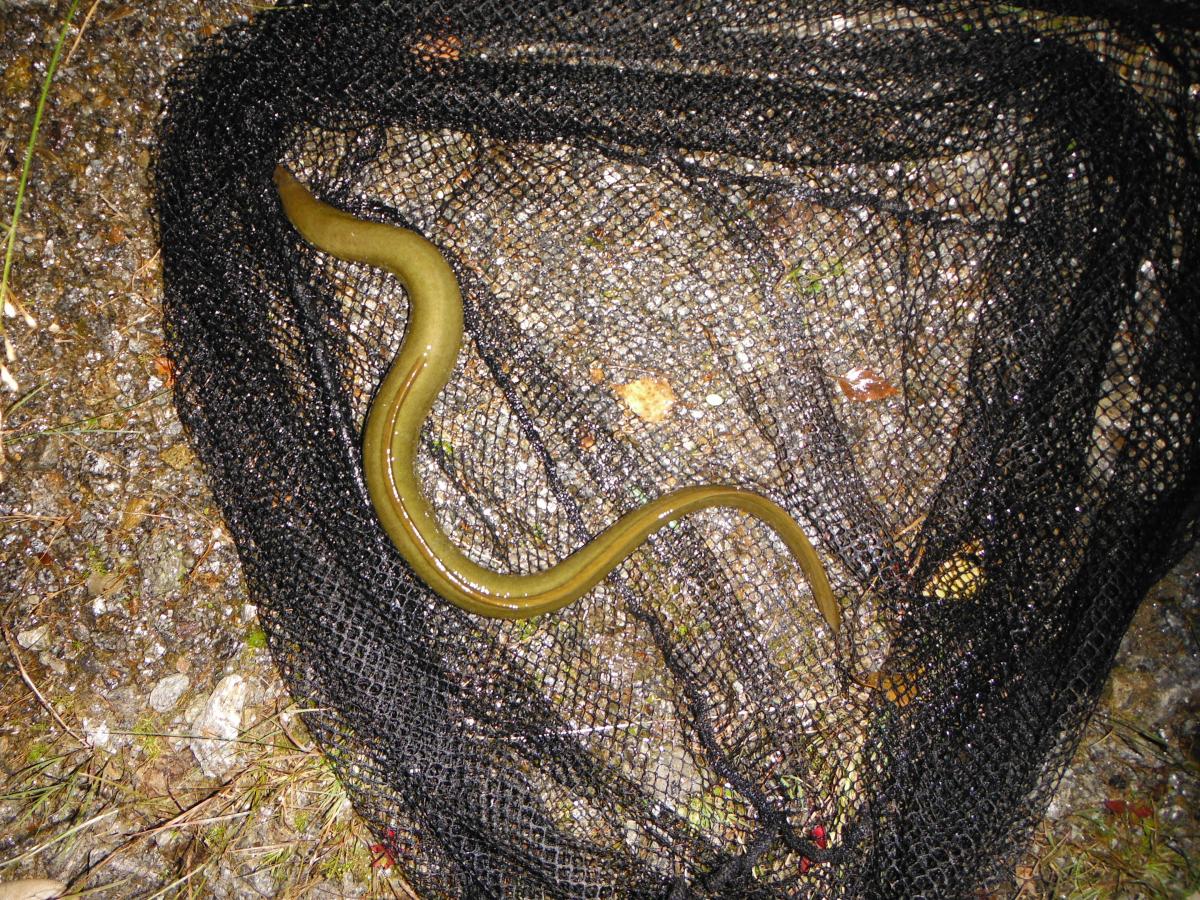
(167, 692)
(217, 726)
(97, 732)
(34, 638)
(162, 562)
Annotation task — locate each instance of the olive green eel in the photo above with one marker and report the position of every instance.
(418, 373)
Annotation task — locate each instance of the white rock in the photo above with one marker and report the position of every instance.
(31, 889)
(167, 692)
(34, 638)
(216, 728)
(191, 713)
(97, 733)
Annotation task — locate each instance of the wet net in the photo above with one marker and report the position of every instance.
(924, 275)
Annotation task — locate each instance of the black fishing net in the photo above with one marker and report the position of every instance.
(924, 274)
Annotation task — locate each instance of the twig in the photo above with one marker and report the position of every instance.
(192, 823)
(82, 28)
(16, 654)
(174, 822)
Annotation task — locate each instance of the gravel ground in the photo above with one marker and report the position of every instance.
(132, 649)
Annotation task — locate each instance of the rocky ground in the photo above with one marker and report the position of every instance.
(146, 735)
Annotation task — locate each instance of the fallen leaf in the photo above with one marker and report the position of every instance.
(897, 687)
(862, 385)
(958, 578)
(819, 837)
(1120, 808)
(105, 584)
(383, 857)
(431, 47)
(121, 12)
(134, 514)
(165, 370)
(649, 399)
(177, 456)
(152, 780)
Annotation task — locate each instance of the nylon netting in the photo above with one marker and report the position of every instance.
(924, 274)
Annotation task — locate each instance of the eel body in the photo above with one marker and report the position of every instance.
(403, 400)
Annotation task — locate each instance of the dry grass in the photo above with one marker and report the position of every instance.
(280, 823)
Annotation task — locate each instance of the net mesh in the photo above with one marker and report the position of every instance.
(924, 274)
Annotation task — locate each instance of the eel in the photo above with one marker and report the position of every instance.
(403, 399)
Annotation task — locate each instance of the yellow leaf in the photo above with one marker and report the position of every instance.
(958, 578)
(897, 687)
(104, 584)
(649, 399)
(178, 456)
(135, 512)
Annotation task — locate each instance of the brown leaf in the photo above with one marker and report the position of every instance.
(178, 456)
(899, 688)
(650, 399)
(135, 512)
(165, 370)
(958, 578)
(152, 781)
(862, 385)
(432, 46)
(105, 584)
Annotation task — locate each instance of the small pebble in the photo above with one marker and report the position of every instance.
(97, 733)
(168, 691)
(217, 727)
(33, 638)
